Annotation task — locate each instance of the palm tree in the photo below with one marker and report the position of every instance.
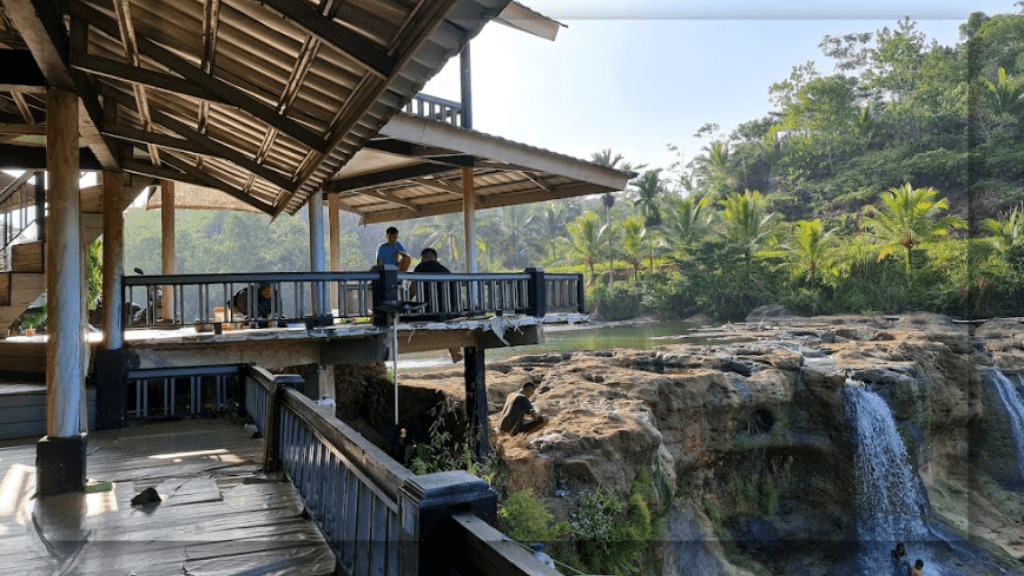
(909, 216)
(745, 221)
(508, 232)
(446, 235)
(809, 251)
(648, 188)
(635, 243)
(585, 241)
(1008, 94)
(686, 220)
(1006, 234)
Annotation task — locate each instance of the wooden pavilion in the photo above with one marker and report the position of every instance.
(278, 104)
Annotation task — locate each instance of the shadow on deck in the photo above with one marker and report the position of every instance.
(219, 513)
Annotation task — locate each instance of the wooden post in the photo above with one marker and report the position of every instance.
(167, 248)
(467, 88)
(113, 260)
(40, 192)
(60, 456)
(469, 218)
(335, 233)
(476, 401)
(316, 248)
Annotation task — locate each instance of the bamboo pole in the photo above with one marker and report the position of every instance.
(335, 231)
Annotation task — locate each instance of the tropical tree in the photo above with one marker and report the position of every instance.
(908, 217)
(635, 243)
(446, 234)
(746, 222)
(1006, 233)
(686, 221)
(507, 229)
(549, 223)
(648, 188)
(808, 252)
(585, 241)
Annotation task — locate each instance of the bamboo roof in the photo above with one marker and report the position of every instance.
(264, 101)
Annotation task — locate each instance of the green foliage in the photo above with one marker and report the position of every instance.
(610, 539)
(445, 452)
(94, 270)
(619, 302)
(525, 519)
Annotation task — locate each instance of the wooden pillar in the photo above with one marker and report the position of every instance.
(469, 218)
(167, 246)
(60, 456)
(40, 199)
(476, 401)
(466, 83)
(335, 240)
(113, 260)
(316, 248)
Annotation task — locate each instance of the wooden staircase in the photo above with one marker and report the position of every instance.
(26, 278)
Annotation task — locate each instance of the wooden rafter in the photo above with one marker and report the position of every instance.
(540, 183)
(413, 33)
(307, 55)
(211, 25)
(122, 11)
(22, 129)
(26, 113)
(393, 198)
(223, 91)
(439, 184)
(374, 58)
(383, 177)
(184, 171)
(42, 28)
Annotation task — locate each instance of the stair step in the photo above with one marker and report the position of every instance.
(28, 257)
(23, 410)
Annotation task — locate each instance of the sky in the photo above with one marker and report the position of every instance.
(636, 76)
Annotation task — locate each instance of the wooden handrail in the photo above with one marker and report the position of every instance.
(484, 550)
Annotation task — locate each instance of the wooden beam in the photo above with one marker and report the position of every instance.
(225, 92)
(469, 218)
(383, 177)
(150, 78)
(344, 40)
(334, 241)
(206, 179)
(389, 197)
(167, 245)
(42, 26)
(211, 24)
(196, 143)
(26, 113)
(131, 54)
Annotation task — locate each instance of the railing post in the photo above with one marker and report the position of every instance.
(476, 401)
(272, 435)
(424, 502)
(581, 292)
(385, 288)
(112, 368)
(537, 292)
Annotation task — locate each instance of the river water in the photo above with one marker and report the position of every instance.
(568, 338)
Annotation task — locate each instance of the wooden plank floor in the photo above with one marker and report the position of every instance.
(218, 515)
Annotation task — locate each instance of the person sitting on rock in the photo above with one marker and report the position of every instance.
(517, 407)
(918, 567)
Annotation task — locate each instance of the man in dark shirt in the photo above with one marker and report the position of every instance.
(429, 263)
(264, 303)
(517, 407)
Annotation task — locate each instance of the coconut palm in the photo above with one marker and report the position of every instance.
(1008, 94)
(686, 221)
(585, 241)
(635, 243)
(446, 235)
(746, 221)
(1006, 233)
(808, 251)
(508, 230)
(909, 216)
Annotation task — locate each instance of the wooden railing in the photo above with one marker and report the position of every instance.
(317, 298)
(377, 516)
(161, 392)
(436, 109)
(21, 208)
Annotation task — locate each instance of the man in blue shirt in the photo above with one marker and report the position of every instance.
(392, 252)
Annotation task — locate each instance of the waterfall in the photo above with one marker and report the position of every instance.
(890, 501)
(1014, 404)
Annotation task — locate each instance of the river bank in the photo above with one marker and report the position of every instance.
(752, 444)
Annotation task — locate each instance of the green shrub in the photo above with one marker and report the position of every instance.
(607, 542)
(620, 302)
(525, 519)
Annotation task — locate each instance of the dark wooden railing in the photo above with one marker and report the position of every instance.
(318, 298)
(161, 392)
(378, 517)
(436, 109)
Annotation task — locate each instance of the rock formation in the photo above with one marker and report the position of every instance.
(742, 428)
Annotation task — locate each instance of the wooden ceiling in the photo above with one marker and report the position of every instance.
(263, 100)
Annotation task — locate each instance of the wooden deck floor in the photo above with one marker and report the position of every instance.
(218, 515)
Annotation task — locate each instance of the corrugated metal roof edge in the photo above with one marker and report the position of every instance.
(503, 140)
